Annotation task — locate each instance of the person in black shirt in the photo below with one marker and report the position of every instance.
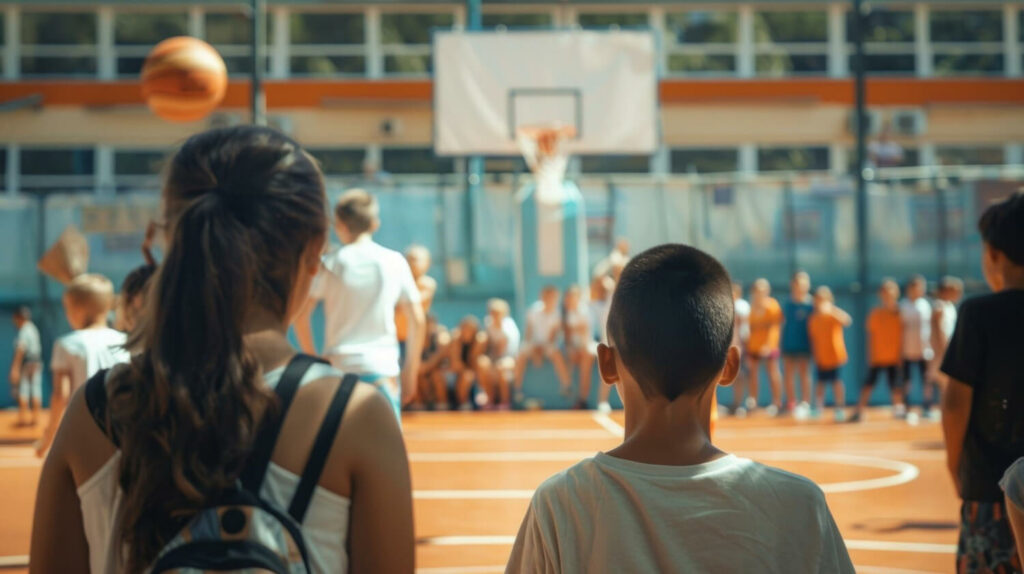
(983, 408)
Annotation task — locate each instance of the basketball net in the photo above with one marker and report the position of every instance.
(543, 148)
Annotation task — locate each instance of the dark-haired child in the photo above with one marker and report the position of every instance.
(666, 499)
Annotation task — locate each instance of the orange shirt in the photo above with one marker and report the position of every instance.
(427, 298)
(827, 342)
(885, 337)
(765, 328)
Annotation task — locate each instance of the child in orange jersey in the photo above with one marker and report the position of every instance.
(825, 328)
(763, 345)
(885, 352)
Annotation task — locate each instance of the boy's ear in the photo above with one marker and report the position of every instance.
(606, 364)
(732, 367)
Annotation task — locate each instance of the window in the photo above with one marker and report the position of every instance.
(705, 160)
(911, 158)
(888, 41)
(135, 162)
(612, 19)
(406, 39)
(58, 43)
(415, 160)
(970, 155)
(3, 38)
(335, 161)
(967, 42)
(231, 34)
(327, 44)
(615, 164)
(701, 42)
(58, 169)
(790, 43)
(518, 20)
(135, 34)
(792, 159)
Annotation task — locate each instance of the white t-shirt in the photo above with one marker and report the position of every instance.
(578, 322)
(917, 329)
(606, 514)
(503, 340)
(542, 323)
(741, 325)
(81, 353)
(28, 341)
(947, 322)
(361, 283)
(599, 318)
(325, 528)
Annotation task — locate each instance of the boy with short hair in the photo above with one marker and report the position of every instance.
(667, 499)
(763, 345)
(498, 364)
(916, 313)
(432, 385)
(362, 285)
(885, 348)
(543, 331)
(983, 406)
(92, 346)
(950, 291)
(825, 328)
(796, 344)
(26, 375)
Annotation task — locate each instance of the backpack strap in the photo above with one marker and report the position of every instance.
(96, 402)
(266, 437)
(321, 448)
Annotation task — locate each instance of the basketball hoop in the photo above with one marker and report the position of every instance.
(543, 148)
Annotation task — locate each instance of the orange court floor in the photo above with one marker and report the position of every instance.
(473, 475)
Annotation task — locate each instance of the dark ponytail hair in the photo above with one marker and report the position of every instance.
(242, 205)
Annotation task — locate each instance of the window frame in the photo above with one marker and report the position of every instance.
(386, 50)
(939, 49)
(818, 48)
(133, 51)
(330, 50)
(877, 48)
(672, 47)
(67, 51)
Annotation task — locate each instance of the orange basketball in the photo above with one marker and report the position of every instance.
(183, 79)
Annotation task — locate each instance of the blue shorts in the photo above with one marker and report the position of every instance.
(389, 388)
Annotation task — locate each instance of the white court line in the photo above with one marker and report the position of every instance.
(461, 570)
(609, 425)
(905, 472)
(524, 494)
(13, 561)
(509, 434)
(890, 546)
(881, 545)
(518, 456)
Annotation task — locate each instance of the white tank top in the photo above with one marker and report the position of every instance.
(325, 528)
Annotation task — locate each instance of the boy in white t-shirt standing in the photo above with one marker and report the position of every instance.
(363, 285)
(27, 368)
(666, 499)
(580, 346)
(92, 346)
(543, 330)
(916, 314)
(951, 290)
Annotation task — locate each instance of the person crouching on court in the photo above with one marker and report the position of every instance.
(666, 499)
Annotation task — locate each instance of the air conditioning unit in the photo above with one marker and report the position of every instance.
(223, 120)
(874, 121)
(280, 123)
(908, 122)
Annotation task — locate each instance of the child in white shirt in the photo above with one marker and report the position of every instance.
(543, 332)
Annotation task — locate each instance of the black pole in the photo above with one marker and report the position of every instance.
(942, 227)
(259, 28)
(860, 290)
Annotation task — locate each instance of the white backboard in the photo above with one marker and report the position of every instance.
(603, 83)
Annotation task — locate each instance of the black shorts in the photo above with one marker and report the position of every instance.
(908, 366)
(828, 375)
(891, 373)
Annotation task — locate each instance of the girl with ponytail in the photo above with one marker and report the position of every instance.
(245, 228)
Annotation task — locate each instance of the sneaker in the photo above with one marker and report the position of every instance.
(772, 410)
(503, 407)
(481, 399)
(581, 405)
(802, 411)
(441, 406)
(855, 417)
(739, 412)
(751, 403)
(934, 415)
(899, 411)
(465, 407)
(840, 415)
(604, 408)
(814, 413)
(913, 419)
